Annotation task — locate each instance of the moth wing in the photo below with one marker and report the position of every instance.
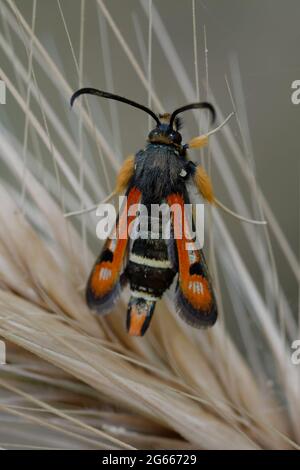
(104, 284)
(195, 299)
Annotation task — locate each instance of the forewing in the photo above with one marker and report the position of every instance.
(104, 286)
(195, 299)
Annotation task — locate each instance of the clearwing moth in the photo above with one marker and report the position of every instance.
(157, 174)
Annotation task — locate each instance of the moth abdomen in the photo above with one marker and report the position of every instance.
(149, 269)
(139, 314)
(150, 272)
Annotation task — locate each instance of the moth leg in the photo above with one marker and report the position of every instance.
(125, 174)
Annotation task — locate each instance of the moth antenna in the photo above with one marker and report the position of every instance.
(237, 216)
(104, 94)
(202, 105)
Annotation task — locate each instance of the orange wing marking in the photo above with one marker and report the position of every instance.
(194, 287)
(106, 273)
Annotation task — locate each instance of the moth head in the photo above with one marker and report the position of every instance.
(164, 133)
(167, 130)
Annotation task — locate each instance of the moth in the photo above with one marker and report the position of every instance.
(157, 174)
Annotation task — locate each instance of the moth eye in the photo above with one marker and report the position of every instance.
(183, 173)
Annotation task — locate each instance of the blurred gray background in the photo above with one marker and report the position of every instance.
(261, 36)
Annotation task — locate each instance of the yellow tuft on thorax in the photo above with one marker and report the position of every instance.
(204, 184)
(125, 174)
